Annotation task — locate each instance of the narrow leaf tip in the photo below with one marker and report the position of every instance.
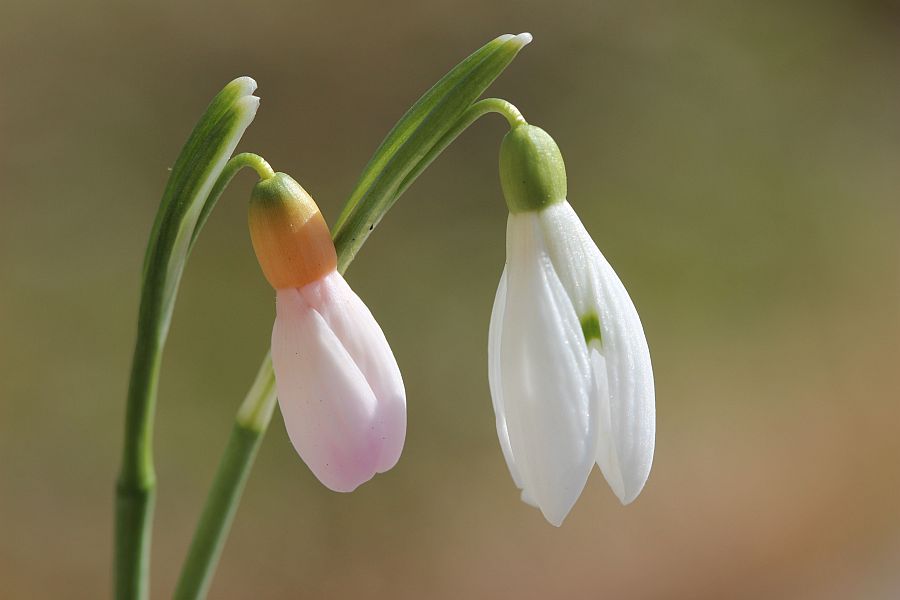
(246, 85)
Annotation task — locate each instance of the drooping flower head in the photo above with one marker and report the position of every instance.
(569, 366)
(338, 384)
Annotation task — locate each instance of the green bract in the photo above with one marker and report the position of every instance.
(532, 172)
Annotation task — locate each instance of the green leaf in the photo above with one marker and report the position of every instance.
(414, 137)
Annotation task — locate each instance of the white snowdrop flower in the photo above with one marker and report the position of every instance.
(569, 366)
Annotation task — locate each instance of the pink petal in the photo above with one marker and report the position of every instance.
(356, 328)
(329, 410)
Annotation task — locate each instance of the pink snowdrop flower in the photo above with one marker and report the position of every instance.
(338, 384)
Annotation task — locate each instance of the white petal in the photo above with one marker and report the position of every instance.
(547, 386)
(494, 379)
(632, 399)
(327, 405)
(528, 499)
(496, 385)
(353, 324)
(595, 288)
(573, 258)
(606, 449)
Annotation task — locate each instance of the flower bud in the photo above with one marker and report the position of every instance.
(289, 234)
(336, 379)
(532, 172)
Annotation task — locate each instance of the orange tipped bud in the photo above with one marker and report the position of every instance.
(290, 237)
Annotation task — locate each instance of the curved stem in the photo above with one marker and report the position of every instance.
(248, 159)
(237, 162)
(498, 105)
(475, 112)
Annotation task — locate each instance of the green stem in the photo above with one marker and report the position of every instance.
(136, 485)
(221, 504)
(474, 112)
(134, 516)
(237, 162)
(496, 105)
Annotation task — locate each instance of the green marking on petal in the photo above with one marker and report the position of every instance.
(590, 326)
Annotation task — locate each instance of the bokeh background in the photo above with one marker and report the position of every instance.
(737, 161)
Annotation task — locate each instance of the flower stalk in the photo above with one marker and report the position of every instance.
(246, 436)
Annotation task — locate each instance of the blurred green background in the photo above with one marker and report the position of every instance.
(737, 162)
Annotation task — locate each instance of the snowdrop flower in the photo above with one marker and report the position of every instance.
(338, 385)
(569, 366)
